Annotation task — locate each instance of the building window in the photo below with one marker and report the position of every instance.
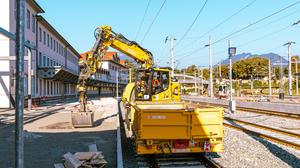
(44, 33)
(57, 47)
(51, 42)
(48, 88)
(33, 23)
(28, 19)
(44, 60)
(54, 45)
(48, 40)
(40, 59)
(48, 61)
(51, 63)
(40, 31)
(36, 86)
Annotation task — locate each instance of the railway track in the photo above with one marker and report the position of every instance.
(253, 110)
(267, 135)
(280, 136)
(178, 160)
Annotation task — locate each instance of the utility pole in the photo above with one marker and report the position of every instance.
(195, 82)
(29, 81)
(296, 73)
(289, 44)
(270, 84)
(297, 93)
(183, 81)
(231, 53)
(117, 83)
(19, 104)
(130, 75)
(172, 39)
(199, 81)
(220, 70)
(202, 86)
(210, 68)
(281, 90)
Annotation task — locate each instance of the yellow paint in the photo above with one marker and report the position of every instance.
(166, 122)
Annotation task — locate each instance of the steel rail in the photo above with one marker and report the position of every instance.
(292, 134)
(264, 136)
(253, 110)
(184, 161)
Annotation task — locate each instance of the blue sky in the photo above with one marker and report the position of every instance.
(76, 21)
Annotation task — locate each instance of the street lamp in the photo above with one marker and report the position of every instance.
(231, 53)
(211, 92)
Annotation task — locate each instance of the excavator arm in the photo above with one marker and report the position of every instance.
(130, 48)
(91, 62)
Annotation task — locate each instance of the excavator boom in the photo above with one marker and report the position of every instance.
(91, 62)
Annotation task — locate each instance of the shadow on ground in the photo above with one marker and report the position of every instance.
(44, 149)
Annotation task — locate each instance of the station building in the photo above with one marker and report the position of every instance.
(52, 59)
(112, 70)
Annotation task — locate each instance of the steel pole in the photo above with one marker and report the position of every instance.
(117, 84)
(19, 104)
(220, 71)
(202, 86)
(172, 56)
(297, 93)
(195, 83)
(281, 77)
(230, 73)
(29, 101)
(130, 75)
(290, 71)
(231, 101)
(210, 70)
(270, 84)
(199, 81)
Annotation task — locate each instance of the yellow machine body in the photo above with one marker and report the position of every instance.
(161, 127)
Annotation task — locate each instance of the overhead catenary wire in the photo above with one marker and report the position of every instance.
(257, 39)
(267, 24)
(143, 19)
(191, 25)
(222, 22)
(258, 21)
(150, 26)
(244, 44)
(244, 28)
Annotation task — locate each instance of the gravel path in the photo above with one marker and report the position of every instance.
(242, 150)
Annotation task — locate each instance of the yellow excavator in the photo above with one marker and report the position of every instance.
(152, 83)
(158, 121)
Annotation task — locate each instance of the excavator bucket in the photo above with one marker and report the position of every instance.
(82, 119)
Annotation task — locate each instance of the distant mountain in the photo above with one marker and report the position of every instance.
(275, 58)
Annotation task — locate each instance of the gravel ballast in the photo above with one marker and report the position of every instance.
(243, 150)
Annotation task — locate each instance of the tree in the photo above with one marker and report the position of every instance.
(224, 71)
(130, 64)
(255, 66)
(191, 69)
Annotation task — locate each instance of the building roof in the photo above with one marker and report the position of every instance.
(42, 20)
(123, 62)
(109, 56)
(36, 6)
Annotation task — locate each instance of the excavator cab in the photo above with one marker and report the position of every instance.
(156, 85)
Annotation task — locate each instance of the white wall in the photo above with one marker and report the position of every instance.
(4, 51)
